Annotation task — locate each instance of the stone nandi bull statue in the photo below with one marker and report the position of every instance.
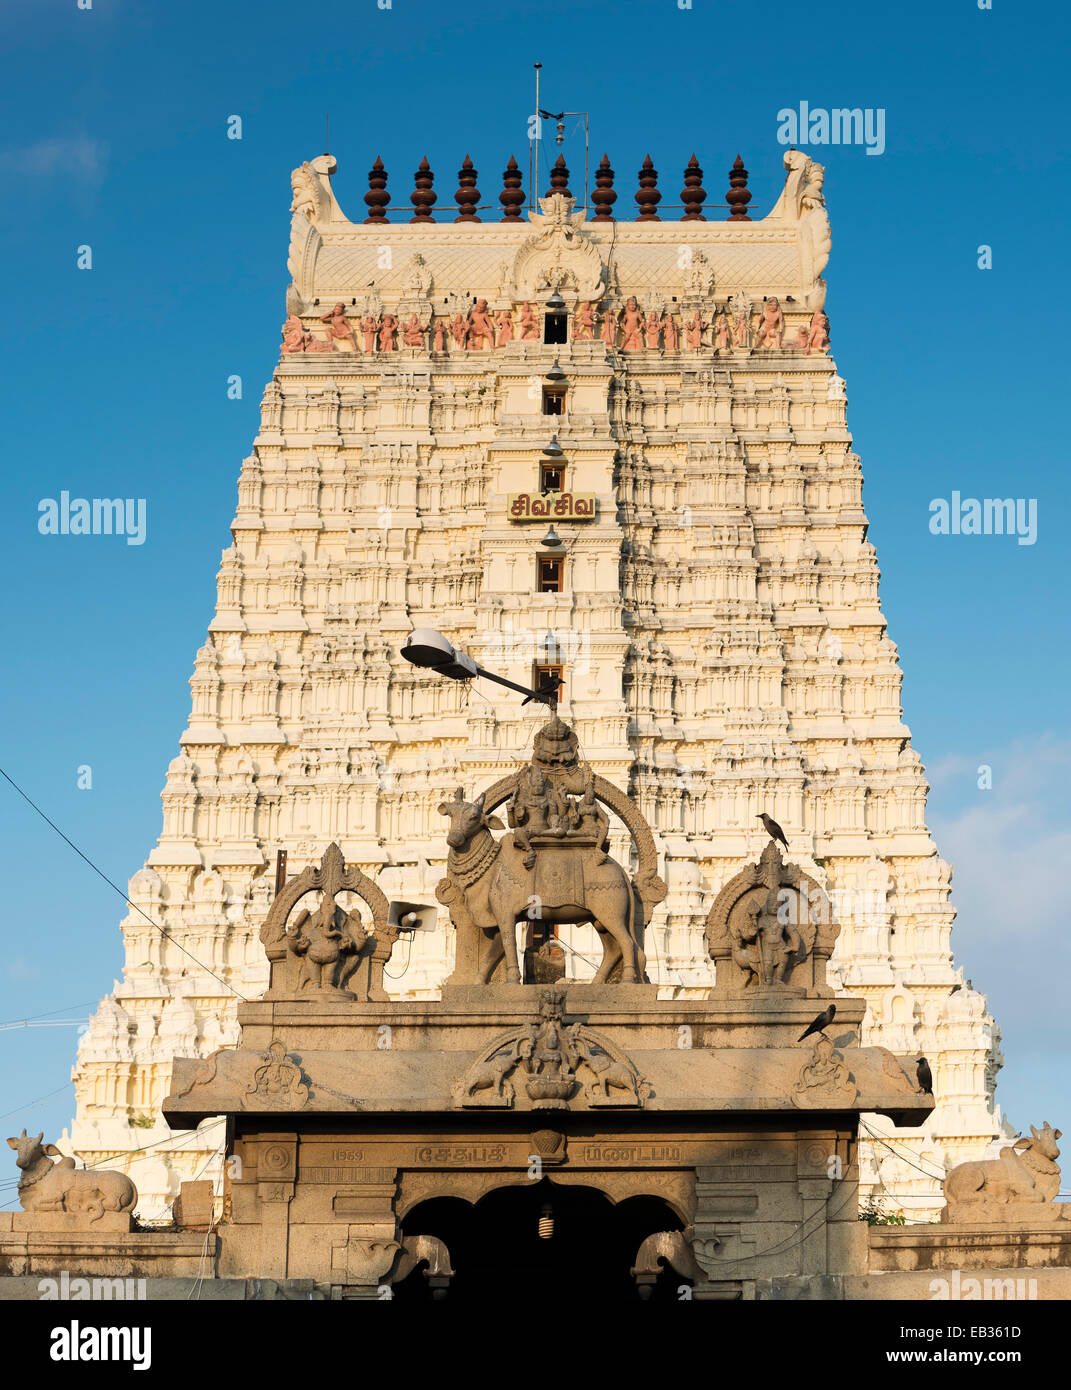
(47, 1186)
(1025, 1171)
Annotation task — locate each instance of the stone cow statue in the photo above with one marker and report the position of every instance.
(490, 887)
(47, 1186)
(1024, 1171)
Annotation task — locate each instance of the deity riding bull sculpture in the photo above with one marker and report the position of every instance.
(553, 869)
(48, 1186)
(498, 892)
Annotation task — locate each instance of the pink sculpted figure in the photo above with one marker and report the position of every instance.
(772, 325)
(653, 327)
(413, 334)
(339, 326)
(295, 339)
(742, 329)
(459, 330)
(818, 337)
(671, 339)
(609, 328)
(480, 326)
(388, 328)
(440, 335)
(693, 331)
(723, 337)
(632, 326)
(504, 325)
(529, 326)
(369, 325)
(583, 324)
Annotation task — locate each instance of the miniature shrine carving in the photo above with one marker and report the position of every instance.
(329, 951)
(771, 928)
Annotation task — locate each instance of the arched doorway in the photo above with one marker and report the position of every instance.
(538, 1240)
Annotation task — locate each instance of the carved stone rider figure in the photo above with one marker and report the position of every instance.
(543, 801)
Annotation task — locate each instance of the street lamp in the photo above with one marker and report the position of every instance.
(431, 650)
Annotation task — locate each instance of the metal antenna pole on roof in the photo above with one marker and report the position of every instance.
(533, 192)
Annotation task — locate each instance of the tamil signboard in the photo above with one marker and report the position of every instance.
(551, 506)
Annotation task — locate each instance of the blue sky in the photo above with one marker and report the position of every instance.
(114, 135)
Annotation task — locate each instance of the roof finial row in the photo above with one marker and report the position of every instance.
(512, 198)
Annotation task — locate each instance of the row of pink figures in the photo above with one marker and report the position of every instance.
(630, 329)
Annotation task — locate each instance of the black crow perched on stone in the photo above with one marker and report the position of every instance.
(819, 1024)
(546, 693)
(925, 1076)
(772, 828)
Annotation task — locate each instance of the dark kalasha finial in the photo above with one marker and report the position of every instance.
(422, 197)
(693, 194)
(604, 196)
(648, 196)
(559, 178)
(468, 195)
(512, 195)
(739, 195)
(377, 196)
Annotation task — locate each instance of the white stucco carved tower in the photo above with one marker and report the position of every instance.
(713, 606)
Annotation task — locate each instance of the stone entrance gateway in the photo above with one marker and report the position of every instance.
(525, 1239)
(518, 1138)
(378, 1144)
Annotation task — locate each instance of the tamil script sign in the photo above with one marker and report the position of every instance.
(551, 506)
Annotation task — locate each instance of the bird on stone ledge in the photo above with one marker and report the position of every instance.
(547, 692)
(819, 1024)
(772, 828)
(925, 1076)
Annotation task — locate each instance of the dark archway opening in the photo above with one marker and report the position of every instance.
(498, 1253)
(555, 328)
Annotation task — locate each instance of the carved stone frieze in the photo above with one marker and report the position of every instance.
(551, 1066)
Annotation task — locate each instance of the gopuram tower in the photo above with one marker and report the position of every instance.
(606, 448)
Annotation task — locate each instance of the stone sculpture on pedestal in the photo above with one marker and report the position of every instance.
(556, 857)
(1019, 1185)
(330, 946)
(60, 1187)
(771, 929)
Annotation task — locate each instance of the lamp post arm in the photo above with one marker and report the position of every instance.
(501, 680)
